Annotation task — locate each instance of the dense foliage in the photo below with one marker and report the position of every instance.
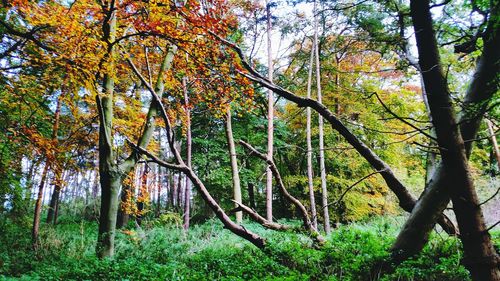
(160, 251)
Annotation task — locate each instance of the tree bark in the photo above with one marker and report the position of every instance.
(54, 200)
(433, 201)
(234, 166)
(123, 215)
(310, 176)
(187, 188)
(494, 143)
(110, 176)
(480, 258)
(143, 196)
(251, 195)
(38, 208)
(270, 119)
(322, 168)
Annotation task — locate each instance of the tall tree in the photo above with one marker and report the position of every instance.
(481, 258)
(433, 201)
(322, 168)
(189, 140)
(270, 116)
(310, 175)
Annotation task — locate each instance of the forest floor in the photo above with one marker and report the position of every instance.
(161, 251)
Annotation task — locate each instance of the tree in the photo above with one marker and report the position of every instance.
(270, 117)
(474, 234)
(234, 165)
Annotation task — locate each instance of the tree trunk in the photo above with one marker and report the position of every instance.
(480, 256)
(143, 196)
(158, 189)
(54, 199)
(251, 195)
(38, 208)
(433, 201)
(187, 188)
(123, 215)
(109, 173)
(270, 119)
(494, 143)
(310, 176)
(234, 166)
(322, 168)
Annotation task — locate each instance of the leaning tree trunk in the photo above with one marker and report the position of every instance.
(480, 258)
(433, 201)
(234, 166)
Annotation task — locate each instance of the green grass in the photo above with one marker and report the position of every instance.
(209, 252)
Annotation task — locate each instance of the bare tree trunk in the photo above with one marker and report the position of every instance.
(142, 198)
(480, 258)
(38, 207)
(54, 200)
(310, 176)
(123, 215)
(270, 119)
(234, 166)
(187, 189)
(322, 168)
(251, 195)
(159, 179)
(494, 143)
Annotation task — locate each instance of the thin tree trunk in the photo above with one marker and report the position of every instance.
(187, 189)
(270, 119)
(480, 258)
(251, 195)
(158, 189)
(57, 169)
(494, 143)
(123, 215)
(310, 176)
(234, 166)
(322, 168)
(38, 208)
(143, 196)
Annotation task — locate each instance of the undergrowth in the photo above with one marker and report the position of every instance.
(209, 252)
